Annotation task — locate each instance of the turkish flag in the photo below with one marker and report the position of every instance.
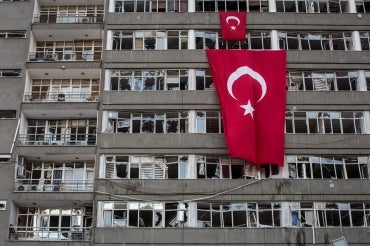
(251, 89)
(233, 25)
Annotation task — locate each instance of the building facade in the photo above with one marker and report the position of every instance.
(111, 132)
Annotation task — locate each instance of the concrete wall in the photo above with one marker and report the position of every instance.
(303, 59)
(192, 100)
(227, 236)
(197, 143)
(259, 21)
(251, 191)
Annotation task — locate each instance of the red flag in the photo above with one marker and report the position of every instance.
(251, 88)
(233, 25)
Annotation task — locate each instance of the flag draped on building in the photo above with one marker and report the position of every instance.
(233, 25)
(251, 88)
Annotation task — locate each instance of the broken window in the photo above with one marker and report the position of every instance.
(208, 215)
(150, 6)
(226, 5)
(122, 40)
(311, 6)
(149, 40)
(322, 81)
(203, 80)
(213, 40)
(146, 167)
(254, 40)
(363, 6)
(52, 223)
(296, 122)
(302, 214)
(140, 80)
(144, 214)
(288, 40)
(55, 176)
(208, 167)
(360, 214)
(206, 39)
(268, 214)
(269, 171)
(324, 122)
(176, 122)
(365, 40)
(208, 122)
(315, 41)
(216, 167)
(328, 167)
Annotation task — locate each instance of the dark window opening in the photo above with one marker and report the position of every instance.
(7, 114)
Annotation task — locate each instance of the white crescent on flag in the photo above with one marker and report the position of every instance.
(244, 70)
(232, 17)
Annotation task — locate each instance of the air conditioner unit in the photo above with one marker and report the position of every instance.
(67, 56)
(21, 172)
(85, 20)
(49, 57)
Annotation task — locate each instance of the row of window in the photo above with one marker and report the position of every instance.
(236, 214)
(178, 79)
(298, 6)
(324, 81)
(178, 39)
(52, 223)
(178, 122)
(78, 50)
(75, 176)
(63, 90)
(164, 122)
(220, 167)
(211, 122)
(324, 122)
(60, 132)
(55, 176)
(34, 223)
(70, 14)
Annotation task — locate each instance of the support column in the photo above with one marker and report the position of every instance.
(361, 85)
(272, 5)
(274, 40)
(191, 40)
(191, 6)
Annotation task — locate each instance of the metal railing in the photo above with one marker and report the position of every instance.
(61, 185)
(57, 139)
(50, 233)
(65, 56)
(54, 17)
(60, 97)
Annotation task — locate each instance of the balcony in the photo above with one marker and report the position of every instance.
(57, 139)
(54, 17)
(71, 55)
(64, 185)
(61, 97)
(50, 234)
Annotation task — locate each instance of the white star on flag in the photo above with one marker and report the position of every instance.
(248, 108)
(233, 28)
